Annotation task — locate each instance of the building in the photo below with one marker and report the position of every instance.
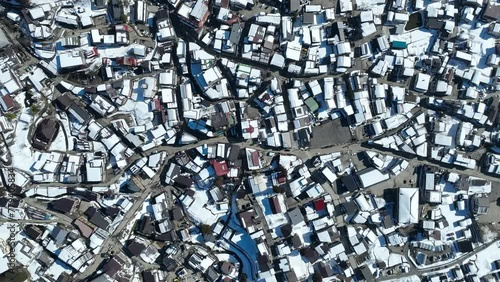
(141, 11)
(70, 61)
(408, 201)
(422, 82)
(195, 16)
(45, 132)
(63, 205)
(371, 176)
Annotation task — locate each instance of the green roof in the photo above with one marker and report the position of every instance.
(312, 104)
(399, 44)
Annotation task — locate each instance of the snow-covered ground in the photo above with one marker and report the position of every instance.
(59, 143)
(22, 155)
(486, 257)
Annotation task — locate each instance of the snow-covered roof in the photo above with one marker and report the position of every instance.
(408, 205)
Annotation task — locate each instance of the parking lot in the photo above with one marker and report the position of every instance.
(330, 133)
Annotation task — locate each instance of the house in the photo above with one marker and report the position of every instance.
(195, 16)
(145, 226)
(59, 235)
(45, 132)
(70, 61)
(63, 102)
(34, 232)
(63, 205)
(100, 4)
(173, 172)
(228, 268)
(275, 204)
(408, 201)
(94, 170)
(220, 167)
(183, 182)
(7, 103)
(365, 273)
(177, 213)
(296, 217)
(249, 219)
(141, 11)
(253, 159)
(422, 82)
(113, 266)
(98, 219)
(84, 228)
(135, 248)
(492, 11)
(80, 114)
(371, 176)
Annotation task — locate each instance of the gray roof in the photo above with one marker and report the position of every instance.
(235, 33)
(296, 216)
(59, 235)
(294, 5)
(4, 40)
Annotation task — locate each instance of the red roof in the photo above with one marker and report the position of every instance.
(250, 129)
(276, 205)
(127, 61)
(8, 103)
(157, 104)
(319, 205)
(220, 168)
(255, 158)
(281, 179)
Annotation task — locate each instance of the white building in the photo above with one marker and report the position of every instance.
(422, 82)
(408, 205)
